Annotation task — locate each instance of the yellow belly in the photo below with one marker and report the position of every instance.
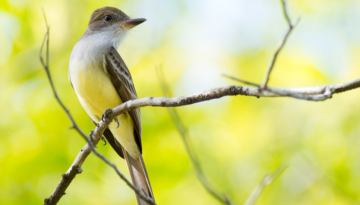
(96, 93)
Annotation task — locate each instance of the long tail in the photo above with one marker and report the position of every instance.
(139, 176)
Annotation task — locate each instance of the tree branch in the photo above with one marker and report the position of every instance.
(184, 133)
(318, 93)
(291, 27)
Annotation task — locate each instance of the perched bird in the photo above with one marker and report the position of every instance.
(101, 81)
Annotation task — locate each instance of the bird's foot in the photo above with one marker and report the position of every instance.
(105, 117)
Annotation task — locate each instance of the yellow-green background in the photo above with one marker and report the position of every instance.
(238, 139)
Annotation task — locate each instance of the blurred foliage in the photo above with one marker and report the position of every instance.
(238, 139)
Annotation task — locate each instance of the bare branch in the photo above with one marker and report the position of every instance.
(184, 133)
(319, 93)
(291, 27)
(268, 179)
(76, 167)
(232, 91)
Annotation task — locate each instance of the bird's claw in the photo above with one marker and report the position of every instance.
(117, 121)
(103, 139)
(105, 117)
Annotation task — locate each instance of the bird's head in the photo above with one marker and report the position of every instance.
(112, 23)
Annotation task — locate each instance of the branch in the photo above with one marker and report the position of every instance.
(309, 92)
(318, 93)
(268, 179)
(76, 166)
(184, 133)
(291, 27)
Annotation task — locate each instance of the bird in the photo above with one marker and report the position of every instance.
(101, 81)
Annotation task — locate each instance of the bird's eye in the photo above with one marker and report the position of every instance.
(107, 18)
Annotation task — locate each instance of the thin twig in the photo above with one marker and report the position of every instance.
(239, 80)
(184, 133)
(291, 27)
(268, 179)
(286, 13)
(75, 168)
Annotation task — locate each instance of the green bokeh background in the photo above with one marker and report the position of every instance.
(239, 139)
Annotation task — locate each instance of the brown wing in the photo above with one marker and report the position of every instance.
(121, 79)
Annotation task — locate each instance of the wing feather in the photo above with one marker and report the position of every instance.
(121, 78)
